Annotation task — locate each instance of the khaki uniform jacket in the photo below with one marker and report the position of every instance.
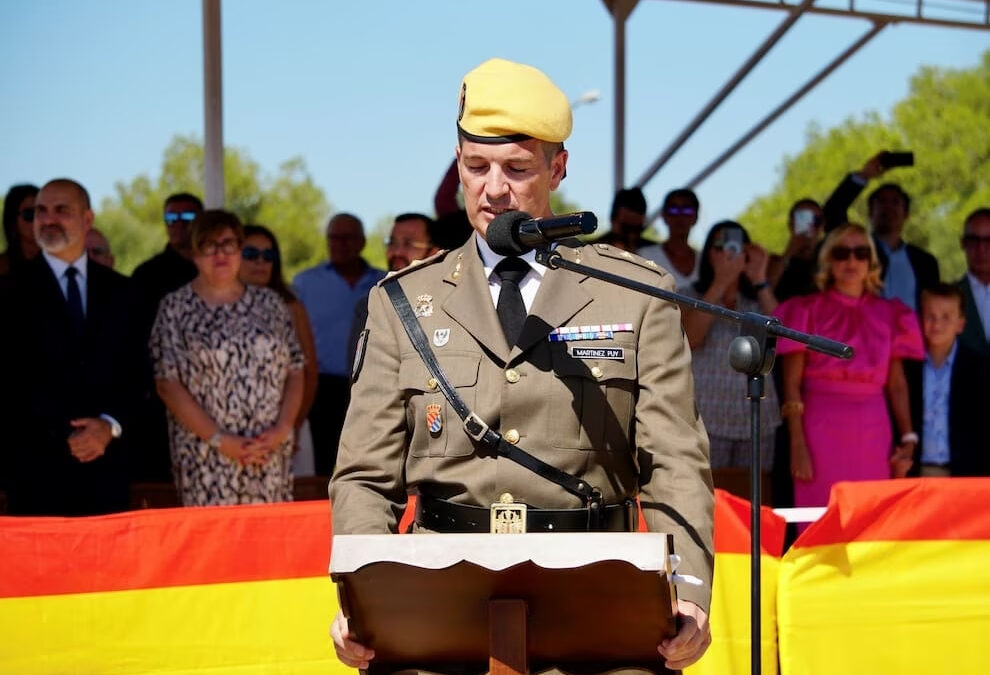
(628, 426)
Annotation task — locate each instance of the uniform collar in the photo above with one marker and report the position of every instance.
(490, 258)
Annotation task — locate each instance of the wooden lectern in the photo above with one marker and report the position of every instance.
(507, 603)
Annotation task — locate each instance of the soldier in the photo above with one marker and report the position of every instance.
(499, 328)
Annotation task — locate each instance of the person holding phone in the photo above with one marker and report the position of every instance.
(837, 411)
(733, 274)
(793, 273)
(905, 270)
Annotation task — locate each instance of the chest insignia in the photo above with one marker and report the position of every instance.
(424, 306)
(441, 336)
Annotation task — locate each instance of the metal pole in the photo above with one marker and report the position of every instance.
(782, 108)
(620, 10)
(725, 91)
(212, 106)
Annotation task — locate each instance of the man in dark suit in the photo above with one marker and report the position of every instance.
(906, 269)
(948, 393)
(67, 351)
(975, 284)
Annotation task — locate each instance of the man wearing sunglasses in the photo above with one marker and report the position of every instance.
(976, 283)
(153, 280)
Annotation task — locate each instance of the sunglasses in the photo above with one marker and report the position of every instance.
(185, 216)
(680, 210)
(253, 253)
(27, 215)
(858, 252)
(974, 240)
(228, 246)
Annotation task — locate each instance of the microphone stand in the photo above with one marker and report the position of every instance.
(752, 354)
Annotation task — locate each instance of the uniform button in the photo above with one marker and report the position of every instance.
(597, 372)
(512, 436)
(512, 375)
(432, 383)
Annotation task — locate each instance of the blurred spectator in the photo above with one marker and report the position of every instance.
(905, 270)
(261, 265)
(733, 274)
(794, 273)
(330, 291)
(948, 392)
(451, 230)
(628, 219)
(68, 370)
(837, 411)
(976, 283)
(680, 213)
(445, 199)
(154, 279)
(98, 248)
(18, 229)
(230, 370)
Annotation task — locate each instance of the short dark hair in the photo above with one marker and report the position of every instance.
(81, 192)
(681, 193)
(629, 198)
(412, 215)
(944, 290)
(277, 280)
(183, 197)
(11, 208)
(981, 212)
(450, 230)
(211, 221)
(905, 198)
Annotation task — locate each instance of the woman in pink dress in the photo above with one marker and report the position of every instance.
(836, 410)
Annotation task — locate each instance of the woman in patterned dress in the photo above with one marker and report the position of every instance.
(230, 370)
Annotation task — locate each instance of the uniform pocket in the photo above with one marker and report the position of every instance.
(423, 400)
(595, 399)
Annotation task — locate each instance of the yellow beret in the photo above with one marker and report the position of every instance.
(506, 102)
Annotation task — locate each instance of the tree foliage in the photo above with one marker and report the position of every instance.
(289, 203)
(943, 120)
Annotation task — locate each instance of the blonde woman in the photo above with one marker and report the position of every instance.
(837, 411)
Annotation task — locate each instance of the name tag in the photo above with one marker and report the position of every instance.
(608, 353)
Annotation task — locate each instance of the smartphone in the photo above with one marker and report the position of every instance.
(804, 221)
(892, 159)
(732, 241)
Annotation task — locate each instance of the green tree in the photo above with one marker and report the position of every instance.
(289, 203)
(943, 120)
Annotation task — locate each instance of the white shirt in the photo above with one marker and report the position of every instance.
(657, 254)
(981, 295)
(59, 267)
(530, 283)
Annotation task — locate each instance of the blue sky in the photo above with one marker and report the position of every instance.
(366, 91)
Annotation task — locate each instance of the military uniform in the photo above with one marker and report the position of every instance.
(617, 411)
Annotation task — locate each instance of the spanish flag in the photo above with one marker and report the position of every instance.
(894, 578)
(220, 590)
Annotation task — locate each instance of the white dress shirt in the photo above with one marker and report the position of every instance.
(981, 295)
(530, 283)
(59, 268)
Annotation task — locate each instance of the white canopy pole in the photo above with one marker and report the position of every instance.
(212, 106)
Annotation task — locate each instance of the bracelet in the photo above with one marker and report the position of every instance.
(909, 437)
(213, 442)
(760, 286)
(791, 409)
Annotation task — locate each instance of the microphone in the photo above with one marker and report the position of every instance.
(516, 232)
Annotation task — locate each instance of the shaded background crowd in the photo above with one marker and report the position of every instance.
(205, 370)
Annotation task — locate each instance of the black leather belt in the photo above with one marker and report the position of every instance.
(441, 515)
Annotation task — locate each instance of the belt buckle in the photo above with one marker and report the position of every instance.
(507, 517)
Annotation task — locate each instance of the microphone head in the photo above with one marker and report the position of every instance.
(503, 233)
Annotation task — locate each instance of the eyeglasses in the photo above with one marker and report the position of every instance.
(974, 241)
(843, 252)
(253, 253)
(680, 210)
(27, 215)
(228, 246)
(171, 218)
(406, 244)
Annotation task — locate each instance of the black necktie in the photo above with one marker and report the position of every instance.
(74, 299)
(511, 309)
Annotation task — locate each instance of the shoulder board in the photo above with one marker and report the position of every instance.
(609, 251)
(415, 265)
